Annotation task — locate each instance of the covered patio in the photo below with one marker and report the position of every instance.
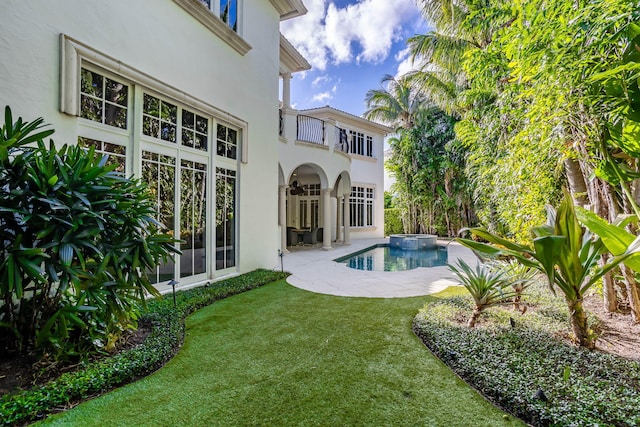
(313, 208)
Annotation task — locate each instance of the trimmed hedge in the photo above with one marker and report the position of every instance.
(106, 374)
(527, 370)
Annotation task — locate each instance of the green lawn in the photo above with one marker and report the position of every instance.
(282, 356)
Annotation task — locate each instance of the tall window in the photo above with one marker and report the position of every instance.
(193, 214)
(159, 172)
(361, 144)
(361, 206)
(172, 144)
(225, 218)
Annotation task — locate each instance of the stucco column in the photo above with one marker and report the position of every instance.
(282, 217)
(339, 219)
(286, 90)
(326, 207)
(347, 220)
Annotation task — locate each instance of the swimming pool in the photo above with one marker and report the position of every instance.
(386, 258)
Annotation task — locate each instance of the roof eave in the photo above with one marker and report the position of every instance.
(291, 60)
(289, 8)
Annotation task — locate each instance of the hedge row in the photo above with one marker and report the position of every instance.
(527, 370)
(166, 337)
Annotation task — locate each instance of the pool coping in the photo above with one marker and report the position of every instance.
(315, 270)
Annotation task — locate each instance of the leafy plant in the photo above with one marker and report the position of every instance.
(510, 365)
(566, 253)
(78, 240)
(102, 375)
(488, 287)
(520, 277)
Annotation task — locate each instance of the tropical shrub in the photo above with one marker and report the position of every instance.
(78, 238)
(488, 287)
(166, 337)
(527, 370)
(566, 253)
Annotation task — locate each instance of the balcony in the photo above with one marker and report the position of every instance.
(310, 130)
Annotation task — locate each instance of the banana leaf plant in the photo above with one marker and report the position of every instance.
(566, 253)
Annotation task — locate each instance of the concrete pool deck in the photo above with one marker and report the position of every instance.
(314, 270)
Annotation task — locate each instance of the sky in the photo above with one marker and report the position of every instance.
(351, 45)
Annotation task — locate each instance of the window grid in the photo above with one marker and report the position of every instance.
(116, 154)
(360, 144)
(158, 172)
(195, 130)
(227, 142)
(193, 204)
(159, 118)
(103, 100)
(361, 206)
(177, 183)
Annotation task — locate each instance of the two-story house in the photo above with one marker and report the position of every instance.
(184, 94)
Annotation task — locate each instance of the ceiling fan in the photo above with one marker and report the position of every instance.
(295, 189)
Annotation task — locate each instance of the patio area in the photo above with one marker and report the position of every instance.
(313, 269)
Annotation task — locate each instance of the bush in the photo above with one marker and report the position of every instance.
(167, 323)
(527, 370)
(77, 238)
(392, 222)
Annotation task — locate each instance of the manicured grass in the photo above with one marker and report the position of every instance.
(278, 355)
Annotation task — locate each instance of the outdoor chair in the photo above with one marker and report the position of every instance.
(312, 237)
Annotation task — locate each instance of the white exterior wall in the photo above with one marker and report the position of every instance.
(163, 41)
(369, 171)
(362, 170)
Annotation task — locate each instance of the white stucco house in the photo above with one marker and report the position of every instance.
(185, 95)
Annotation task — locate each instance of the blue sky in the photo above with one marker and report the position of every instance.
(351, 45)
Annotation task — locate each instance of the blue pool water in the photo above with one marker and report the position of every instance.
(385, 258)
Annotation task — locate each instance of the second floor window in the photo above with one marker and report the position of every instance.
(227, 10)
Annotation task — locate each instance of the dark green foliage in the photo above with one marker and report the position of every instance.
(509, 365)
(77, 238)
(432, 192)
(97, 377)
(392, 222)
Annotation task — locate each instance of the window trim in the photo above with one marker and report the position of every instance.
(75, 53)
(216, 25)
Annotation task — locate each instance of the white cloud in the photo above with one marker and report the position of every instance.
(320, 80)
(363, 31)
(405, 62)
(322, 97)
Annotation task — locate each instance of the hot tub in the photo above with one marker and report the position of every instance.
(413, 242)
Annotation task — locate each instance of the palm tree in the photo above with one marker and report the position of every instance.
(398, 105)
(460, 27)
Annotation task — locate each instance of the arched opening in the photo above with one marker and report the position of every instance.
(305, 213)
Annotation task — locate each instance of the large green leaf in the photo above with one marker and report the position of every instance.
(548, 251)
(615, 238)
(497, 240)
